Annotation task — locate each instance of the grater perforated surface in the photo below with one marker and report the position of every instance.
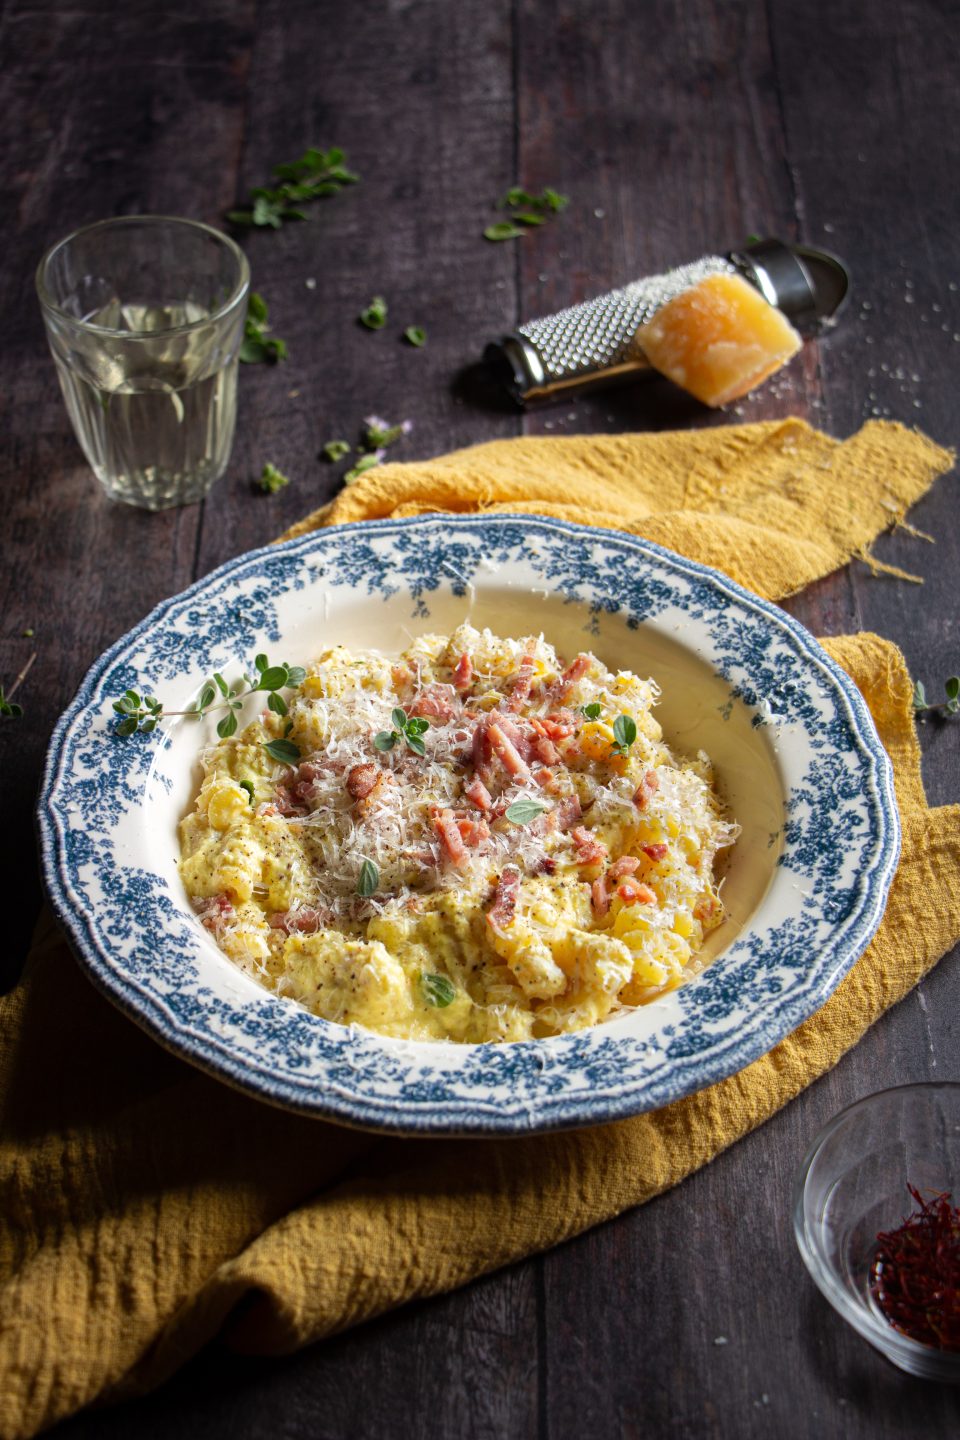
(599, 334)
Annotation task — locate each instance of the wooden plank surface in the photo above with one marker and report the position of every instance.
(675, 130)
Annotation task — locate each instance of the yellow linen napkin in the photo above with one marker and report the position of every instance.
(773, 505)
(144, 1207)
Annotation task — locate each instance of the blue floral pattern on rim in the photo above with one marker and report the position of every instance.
(134, 931)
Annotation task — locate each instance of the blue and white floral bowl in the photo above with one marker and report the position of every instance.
(791, 739)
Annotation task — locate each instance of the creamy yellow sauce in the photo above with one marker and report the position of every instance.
(545, 862)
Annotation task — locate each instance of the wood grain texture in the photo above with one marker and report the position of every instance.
(675, 130)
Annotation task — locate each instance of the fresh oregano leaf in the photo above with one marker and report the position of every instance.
(284, 751)
(438, 990)
(521, 812)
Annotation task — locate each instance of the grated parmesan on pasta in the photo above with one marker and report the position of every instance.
(528, 874)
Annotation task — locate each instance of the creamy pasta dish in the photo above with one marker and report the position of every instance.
(473, 842)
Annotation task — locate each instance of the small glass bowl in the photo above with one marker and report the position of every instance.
(853, 1184)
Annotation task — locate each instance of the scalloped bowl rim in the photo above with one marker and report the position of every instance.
(526, 1114)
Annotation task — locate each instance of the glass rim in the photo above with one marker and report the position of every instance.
(238, 293)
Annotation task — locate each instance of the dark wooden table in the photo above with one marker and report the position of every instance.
(675, 130)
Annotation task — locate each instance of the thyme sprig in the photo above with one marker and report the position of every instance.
(144, 713)
(949, 706)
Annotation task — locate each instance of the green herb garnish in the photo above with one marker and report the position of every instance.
(284, 751)
(526, 211)
(415, 335)
(272, 479)
(366, 462)
(314, 176)
(409, 729)
(335, 450)
(949, 706)
(592, 712)
(248, 786)
(369, 878)
(257, 344)
(547, 202)
(378, 434)
(438, 990)
(502, 230)
(7, 708)
(142, 715)
(374, 317)
(625, 732)
(137, 714)
(522, 811)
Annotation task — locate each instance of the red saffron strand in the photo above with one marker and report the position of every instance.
(915, 1275)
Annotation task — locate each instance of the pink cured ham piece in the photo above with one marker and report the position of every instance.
(654, 852)
(559, 726)
(303, 921)
(472, 830)
(505, 898)
(520, 691)
(567, 812)
(542, 745)
(288, 803)
(482, 751)
(216, 911)
(375, 796)
(361, 780)
(450, 838)
(463, 674)
(599, 897)
(575, 670)
(589, 850)
(506, 751)
(646, 790)
(435, 703)
(478, 794)
(624, 866)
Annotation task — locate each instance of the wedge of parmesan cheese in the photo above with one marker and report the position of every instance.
(719, 339)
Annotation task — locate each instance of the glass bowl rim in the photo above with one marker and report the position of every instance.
(912, 1353)
(237, 295)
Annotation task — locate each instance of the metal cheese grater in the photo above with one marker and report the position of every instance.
(595, 344)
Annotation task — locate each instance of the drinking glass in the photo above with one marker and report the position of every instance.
(145, 315)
